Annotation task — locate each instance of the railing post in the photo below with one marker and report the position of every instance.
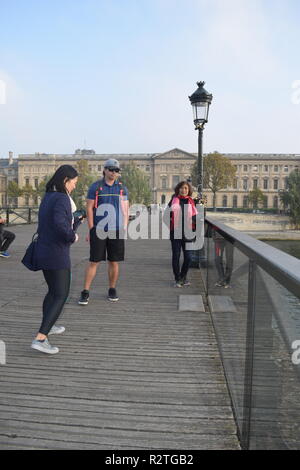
(29, 215)
(7, 216)
(245, 438)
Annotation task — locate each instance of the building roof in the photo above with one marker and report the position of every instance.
(262, 156)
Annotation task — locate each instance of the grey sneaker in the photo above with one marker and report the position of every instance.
(44, 347)
(57, 330)
(185, 282)
(178, 284)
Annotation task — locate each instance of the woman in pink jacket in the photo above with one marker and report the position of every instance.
(182, 222)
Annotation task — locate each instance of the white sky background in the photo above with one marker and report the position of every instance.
(115, 75)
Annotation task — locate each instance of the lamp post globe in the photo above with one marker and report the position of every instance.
(200, 101)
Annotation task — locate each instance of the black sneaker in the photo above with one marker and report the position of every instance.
(84, 299)
(112, 295)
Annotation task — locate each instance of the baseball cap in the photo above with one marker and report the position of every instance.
(111, 163)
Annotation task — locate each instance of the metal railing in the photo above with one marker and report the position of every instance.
(253, 291)
(20, 215)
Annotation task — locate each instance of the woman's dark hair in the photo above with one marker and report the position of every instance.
(57, 182)
(182, 183)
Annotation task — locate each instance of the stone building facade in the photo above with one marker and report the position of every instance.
(267, 172)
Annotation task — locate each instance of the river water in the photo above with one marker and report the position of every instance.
(288, 246)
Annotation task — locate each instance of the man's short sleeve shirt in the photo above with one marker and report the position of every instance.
(112, 197)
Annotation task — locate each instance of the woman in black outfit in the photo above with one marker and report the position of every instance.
(55, 236)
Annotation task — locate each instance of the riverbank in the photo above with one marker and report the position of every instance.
(289, 235)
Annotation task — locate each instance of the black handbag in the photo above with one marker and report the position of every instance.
(29, 259)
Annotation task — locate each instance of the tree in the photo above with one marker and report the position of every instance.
(218, 173)
(13, 192)
(291, 197)
(28, 192)
(85, 179)
(137, 184)
(41, 189)
(256, 197)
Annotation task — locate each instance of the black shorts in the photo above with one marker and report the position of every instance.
(114, 249)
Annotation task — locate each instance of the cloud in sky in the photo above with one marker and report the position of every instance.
(118, 74)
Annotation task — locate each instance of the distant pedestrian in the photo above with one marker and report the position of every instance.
(6, 239)
(180, 216)
(55, 236)
(109, 197)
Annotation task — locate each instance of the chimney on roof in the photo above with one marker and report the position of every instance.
(10, 158)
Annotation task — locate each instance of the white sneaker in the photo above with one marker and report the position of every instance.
(44, 347)
(57, 330)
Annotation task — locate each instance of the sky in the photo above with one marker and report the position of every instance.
(115, 75)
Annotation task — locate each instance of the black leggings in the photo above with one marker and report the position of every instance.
(59, 285)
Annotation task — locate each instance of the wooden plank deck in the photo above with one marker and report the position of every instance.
(136, 374)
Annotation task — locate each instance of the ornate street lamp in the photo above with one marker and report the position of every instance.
(200, 101)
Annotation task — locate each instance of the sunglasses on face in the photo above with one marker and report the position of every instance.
(116, 170)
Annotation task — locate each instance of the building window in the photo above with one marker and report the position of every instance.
(265, 202)
(36, 183)
(163, 199)
(285, 168)
(275, 184)
(245, 202)
(26, 181)
(275, 202)
(99, 167)
(276, 168)
(224, 201)
(245, 168)
(266, 167)
(164, 183)
(255, 184)
(175, 180)
(255, 167)
(235, 183)
(234, 201)
(148, 168)
(245, 184)
(265, 184)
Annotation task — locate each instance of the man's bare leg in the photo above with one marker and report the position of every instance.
(113, 273)
(90, 273)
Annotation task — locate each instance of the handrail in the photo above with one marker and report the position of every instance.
(256, 333)
(282, 266)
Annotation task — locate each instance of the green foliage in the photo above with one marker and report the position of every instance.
(13, 190)
(256, 197)
(85, 179)
(291, 197)
(41, 189)
(218, 173)
(137, 184)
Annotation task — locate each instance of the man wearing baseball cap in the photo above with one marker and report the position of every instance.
(107, 216)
